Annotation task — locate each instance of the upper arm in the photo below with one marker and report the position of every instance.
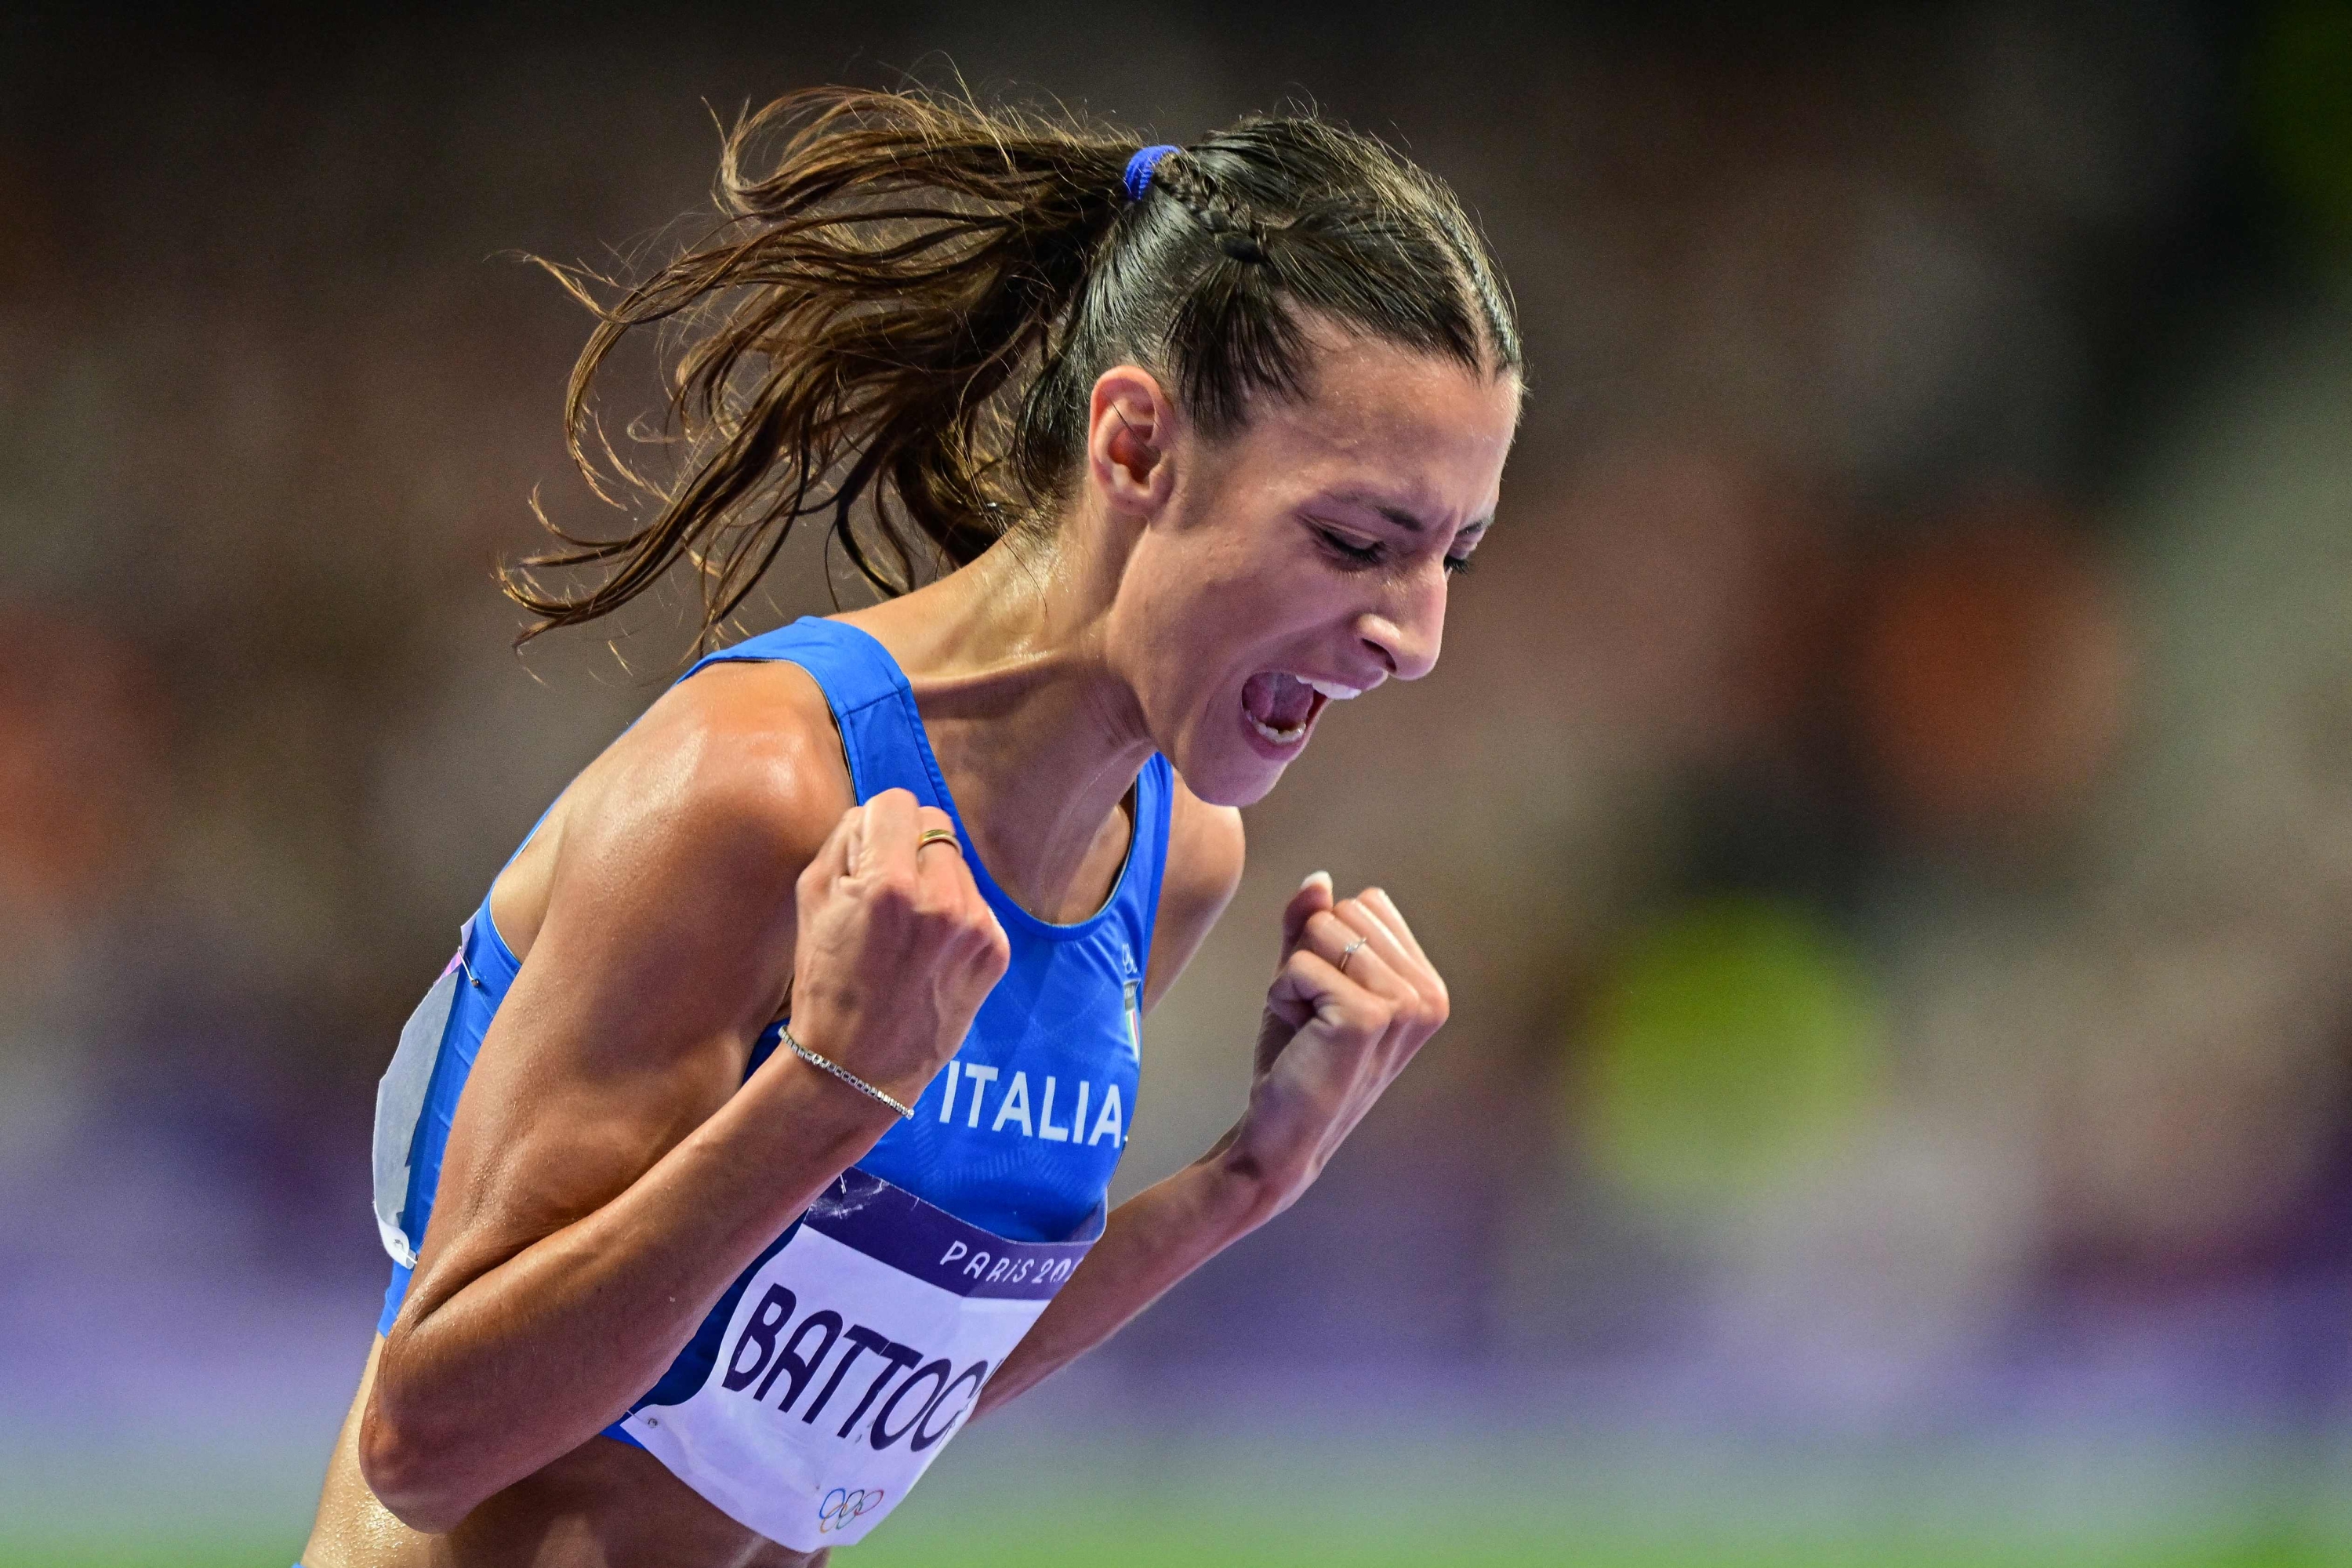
(1205, 866)
(662, 948)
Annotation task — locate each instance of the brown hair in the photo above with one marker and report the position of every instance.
(908, 308)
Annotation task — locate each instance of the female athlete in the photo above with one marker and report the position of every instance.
(758, 1136)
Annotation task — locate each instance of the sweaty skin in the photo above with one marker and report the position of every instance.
(596, 1196)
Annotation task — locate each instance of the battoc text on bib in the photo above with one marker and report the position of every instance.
(852, 1355)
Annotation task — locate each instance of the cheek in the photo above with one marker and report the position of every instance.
(1175, 643)
(1221, 630)
(1190, 603)
(1202, 611)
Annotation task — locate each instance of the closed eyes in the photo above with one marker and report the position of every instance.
(1360, 556)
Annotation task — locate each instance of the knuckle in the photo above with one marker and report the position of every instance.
(960, 908)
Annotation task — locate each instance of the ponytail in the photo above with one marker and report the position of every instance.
(899, 322)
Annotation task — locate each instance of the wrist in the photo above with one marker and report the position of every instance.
(901, 1109)
(821, 1111)
(1247, 1185)
(792, 1127)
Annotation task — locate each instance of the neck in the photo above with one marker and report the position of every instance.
(1039, 739)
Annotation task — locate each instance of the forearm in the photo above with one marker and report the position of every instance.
(523, 1361)
(1329, 1044)
(1152, 1241)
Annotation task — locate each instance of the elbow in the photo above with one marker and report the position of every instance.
(413, 1475)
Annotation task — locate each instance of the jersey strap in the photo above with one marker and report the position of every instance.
(883, 738)
(871, 701)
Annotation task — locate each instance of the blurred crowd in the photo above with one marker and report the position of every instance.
(1886, 806)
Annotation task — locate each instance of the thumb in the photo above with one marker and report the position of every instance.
(1314, 896)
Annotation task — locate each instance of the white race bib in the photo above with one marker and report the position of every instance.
(852, 1355)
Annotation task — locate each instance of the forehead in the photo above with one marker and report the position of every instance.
(1426, 431)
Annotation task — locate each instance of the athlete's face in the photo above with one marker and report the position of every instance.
(1304, 560)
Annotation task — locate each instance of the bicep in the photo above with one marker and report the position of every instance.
(582, 1082)
(664, 950)
(1205, 866)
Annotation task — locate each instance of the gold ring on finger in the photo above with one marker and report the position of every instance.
(938, 836)
(1348, 951)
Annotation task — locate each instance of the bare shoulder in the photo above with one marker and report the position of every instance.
(731, 782)
(741, 747)
(1206, 851)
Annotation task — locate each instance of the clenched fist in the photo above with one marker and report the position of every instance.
(896, 947)
(1353, 998)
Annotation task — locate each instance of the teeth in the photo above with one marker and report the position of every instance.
(1332, 689)
(1279, 737)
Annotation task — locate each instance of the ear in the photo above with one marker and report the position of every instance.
(1130, 431)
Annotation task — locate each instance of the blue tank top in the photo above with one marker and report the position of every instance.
(1020, 1134)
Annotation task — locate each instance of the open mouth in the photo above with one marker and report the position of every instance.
(1281, 706)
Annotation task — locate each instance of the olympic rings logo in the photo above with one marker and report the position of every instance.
(841, 1505)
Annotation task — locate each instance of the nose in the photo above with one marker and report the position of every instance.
(1406, 633)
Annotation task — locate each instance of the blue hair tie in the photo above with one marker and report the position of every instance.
(1137, 178)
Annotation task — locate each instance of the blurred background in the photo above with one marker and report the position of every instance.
(1886, 809)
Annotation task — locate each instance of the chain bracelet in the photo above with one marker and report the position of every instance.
(906, 1113)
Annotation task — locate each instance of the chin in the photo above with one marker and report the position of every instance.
(1228, 780)
(1245, 789)
(1227, 759)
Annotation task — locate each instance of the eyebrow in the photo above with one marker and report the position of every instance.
(1406, 519)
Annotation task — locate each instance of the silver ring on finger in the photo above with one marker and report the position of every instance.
(1348, 951)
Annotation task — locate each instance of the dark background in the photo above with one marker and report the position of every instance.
(1886, 809)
